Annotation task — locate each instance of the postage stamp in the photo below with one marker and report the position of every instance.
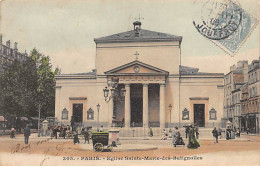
(225, 23)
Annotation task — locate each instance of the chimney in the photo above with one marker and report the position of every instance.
(8, 43)
(15, 46)
(245, 72)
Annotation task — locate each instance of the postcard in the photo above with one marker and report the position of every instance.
(129, 83)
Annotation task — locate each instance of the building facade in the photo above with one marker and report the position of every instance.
(251, 99)
(241, 96)
(147, 67)
(8, 55)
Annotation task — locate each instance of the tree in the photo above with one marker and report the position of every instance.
(26, 85)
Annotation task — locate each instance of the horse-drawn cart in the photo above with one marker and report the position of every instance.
(100, 141)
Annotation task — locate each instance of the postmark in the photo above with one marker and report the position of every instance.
(225, 23)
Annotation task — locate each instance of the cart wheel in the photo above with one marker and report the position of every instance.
(98, 147)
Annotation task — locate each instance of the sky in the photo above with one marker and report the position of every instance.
(65, 29)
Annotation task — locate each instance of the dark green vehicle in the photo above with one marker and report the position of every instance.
(100, 140)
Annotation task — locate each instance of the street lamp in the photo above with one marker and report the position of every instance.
(170, 108)
(98, 107)
(116, 93)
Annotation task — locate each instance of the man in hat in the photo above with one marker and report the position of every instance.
(27, 133)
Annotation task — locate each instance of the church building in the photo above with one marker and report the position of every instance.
(139, 82)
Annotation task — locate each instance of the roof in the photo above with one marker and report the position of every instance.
(144, 35)
(185, 70)
(88, 75)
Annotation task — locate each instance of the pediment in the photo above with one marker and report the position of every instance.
(136, 67)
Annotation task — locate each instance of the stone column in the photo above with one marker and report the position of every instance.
(127, 106)
(162, 105)
(145, 105)
(110, 112)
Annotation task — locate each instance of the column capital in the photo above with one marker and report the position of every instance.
(145, 84)
(127, 84)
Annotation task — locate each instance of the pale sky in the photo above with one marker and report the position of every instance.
(65, 29)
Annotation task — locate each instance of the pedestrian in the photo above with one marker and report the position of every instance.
(193, 143)
(186, 130)
(150, 132)
(12, 133)
(164, 135)
(215, 133)
(86, 136)
(220, 133)
(76, 138)
(55, 132)
(228, 133)
(177, 139)
(197, 131)
(27, 133)
(238, 132)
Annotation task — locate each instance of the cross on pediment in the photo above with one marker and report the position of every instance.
(136, 55)
(139, 18)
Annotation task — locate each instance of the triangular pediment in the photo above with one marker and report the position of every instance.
(136, 67)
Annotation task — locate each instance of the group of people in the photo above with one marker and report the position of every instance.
(191, 133)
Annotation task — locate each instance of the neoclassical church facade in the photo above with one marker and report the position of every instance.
(150, 88)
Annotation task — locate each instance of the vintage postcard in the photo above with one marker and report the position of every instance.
(129, 83)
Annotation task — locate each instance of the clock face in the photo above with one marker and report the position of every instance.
(136, 69)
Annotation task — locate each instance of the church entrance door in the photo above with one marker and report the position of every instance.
(199, 115)
(78, 112)
(136, 94)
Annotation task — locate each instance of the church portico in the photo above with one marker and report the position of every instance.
(141, 107)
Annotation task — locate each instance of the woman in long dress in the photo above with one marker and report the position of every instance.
(193, 143)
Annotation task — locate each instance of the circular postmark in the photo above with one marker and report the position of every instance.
(218, 19)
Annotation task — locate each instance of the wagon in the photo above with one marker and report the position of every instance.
(100, 141)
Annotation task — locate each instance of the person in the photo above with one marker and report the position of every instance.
(75, 138)
(228, 133)
(55, 132)
(220, 132)
(163, 135)
(12, 133)
(177, 139)
(64, 129)
(72, 123)
(215, 133)
(197, 131)
(238, 132)
(27, 133)
(150, 132)
(86, 135)
(187, 130)
(193, 143)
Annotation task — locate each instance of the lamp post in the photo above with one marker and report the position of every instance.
(115, 93)
(170, 108)
(98, 107)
